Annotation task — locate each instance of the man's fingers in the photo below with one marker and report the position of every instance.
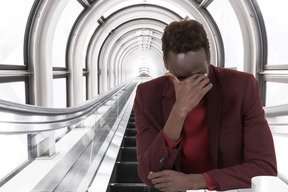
(150, 175)
(205, 82)
(153, 175)
(197, 78)
(174, 79)
(157, 180)
(207, 87)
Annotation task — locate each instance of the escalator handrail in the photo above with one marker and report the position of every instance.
(19, 108)
(274, 111)
(32, 119)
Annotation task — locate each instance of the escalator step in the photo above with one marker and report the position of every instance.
(129, 141)
(132, 119)
(131, 187)
(131, 125)
(131, 132)
(125, 176)
(127, 173)
(127, 154)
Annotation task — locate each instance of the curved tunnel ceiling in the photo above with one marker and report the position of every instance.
(128, 38)
(113, 40)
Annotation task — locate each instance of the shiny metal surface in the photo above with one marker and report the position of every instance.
(277, 117)
(106, 166)
(78, 168)
(18, 118)
(267, 184)
(274, 111)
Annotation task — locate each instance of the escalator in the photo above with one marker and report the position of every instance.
(125, 175)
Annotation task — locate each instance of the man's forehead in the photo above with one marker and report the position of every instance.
(187, 64)
(182, 57)
(191, 58)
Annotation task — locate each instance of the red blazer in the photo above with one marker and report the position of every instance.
(240, 141)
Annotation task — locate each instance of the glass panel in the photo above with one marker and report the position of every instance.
(84, 87)
(64, 26)
(59, 93)
(60, 133)
(276, 93)
(60, 101)
(229, 28)
(13, 21)
(14, 152)
(275, 17)
(13, 91)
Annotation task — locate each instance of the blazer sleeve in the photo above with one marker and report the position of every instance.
(258, 149)
(153, 154)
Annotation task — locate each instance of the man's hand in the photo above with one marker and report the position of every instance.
(190, 91)
(170, 181)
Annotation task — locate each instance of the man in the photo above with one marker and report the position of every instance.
(200, 126)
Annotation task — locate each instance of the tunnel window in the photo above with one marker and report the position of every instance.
(84, 90)
(276, 93)
(60, 101)
(277, 57)
(276, 29)
(13, 91)
(275, 75)
(59, 93)
(12, 30)
(14, 152)
(62, 32)
(227, 22)
(14, 16)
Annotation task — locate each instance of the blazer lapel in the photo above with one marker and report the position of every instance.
(168, 100)
(213, 106)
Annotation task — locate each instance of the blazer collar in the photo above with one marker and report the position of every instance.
(213, 106)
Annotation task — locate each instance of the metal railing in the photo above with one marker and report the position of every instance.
(19, 118)
(87, 155)
(277, 117)
(101, 118)
(273, 111)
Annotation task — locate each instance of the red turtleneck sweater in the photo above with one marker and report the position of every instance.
(194, 144)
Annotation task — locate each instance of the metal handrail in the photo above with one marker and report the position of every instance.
(18, 118)
(274, 111)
